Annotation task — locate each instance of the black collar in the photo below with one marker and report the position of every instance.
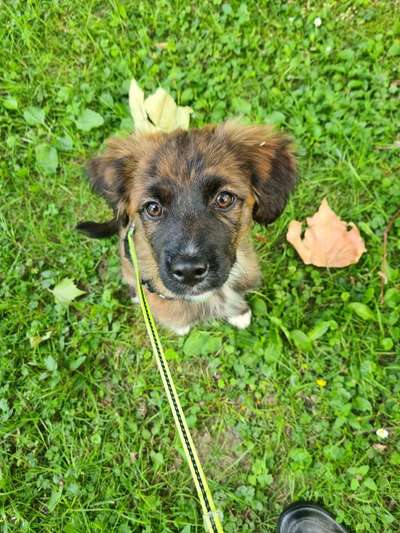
(148, 285)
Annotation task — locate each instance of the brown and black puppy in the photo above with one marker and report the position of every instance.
(192, 196)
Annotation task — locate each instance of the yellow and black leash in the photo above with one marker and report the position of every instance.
(212, 517)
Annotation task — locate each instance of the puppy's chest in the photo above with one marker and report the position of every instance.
(225, 302)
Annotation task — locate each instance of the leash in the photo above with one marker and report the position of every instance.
(211, 515)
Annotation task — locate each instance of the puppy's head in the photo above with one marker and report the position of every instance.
(193, 194)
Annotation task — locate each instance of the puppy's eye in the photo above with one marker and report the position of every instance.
(153, 209)
(225, 200)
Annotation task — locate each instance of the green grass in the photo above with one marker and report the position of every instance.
(87, 442)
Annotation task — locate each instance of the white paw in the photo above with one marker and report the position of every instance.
(181, 331)
(241, 321)
(132, 293)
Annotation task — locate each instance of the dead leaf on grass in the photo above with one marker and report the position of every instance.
(328, 241)
(261, 238)
(38, 339)
(158, 112)
(133, 457)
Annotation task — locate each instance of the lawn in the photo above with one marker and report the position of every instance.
(286, 410)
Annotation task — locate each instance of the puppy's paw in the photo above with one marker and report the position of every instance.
(181, 331)
(241, 321)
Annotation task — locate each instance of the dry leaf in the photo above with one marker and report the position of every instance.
(261, 238)
(161, 109)
(136, 105)
(133, 457)
(328, 241)
(37, 339)
(158, 112)
(381, 448)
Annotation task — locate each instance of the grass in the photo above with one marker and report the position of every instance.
(87, 442)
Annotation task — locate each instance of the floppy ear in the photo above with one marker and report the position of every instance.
(270, 162)
(112, 173)
(99, 230)
(111, 176)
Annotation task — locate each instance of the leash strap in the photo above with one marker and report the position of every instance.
(211, 515)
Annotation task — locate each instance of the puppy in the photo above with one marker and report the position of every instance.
(192, 196)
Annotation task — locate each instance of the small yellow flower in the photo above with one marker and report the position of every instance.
(321, 382)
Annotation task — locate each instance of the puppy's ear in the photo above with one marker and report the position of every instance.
(112, 173)
(99, 230)
(270, 162)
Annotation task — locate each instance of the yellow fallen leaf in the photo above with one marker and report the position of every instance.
(158, 112)
(138, 111)
(161, 109)
(328, 241)
(183, 117)
(37, 339)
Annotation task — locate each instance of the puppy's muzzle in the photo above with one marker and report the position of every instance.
(188, 270)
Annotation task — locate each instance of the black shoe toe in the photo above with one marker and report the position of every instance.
(307, 518)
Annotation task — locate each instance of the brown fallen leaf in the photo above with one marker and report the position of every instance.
(261, 238)
(328, 241)
(381, 448)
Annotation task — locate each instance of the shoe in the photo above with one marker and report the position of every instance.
(308, 518)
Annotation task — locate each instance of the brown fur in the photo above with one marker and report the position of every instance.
(256, 163)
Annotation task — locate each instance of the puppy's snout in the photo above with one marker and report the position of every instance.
(189, 270)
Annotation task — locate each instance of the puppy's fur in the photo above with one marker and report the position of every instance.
(184, 172)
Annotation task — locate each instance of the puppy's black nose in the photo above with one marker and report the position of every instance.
(189, 270)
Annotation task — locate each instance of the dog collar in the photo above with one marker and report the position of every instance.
(148, 285)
